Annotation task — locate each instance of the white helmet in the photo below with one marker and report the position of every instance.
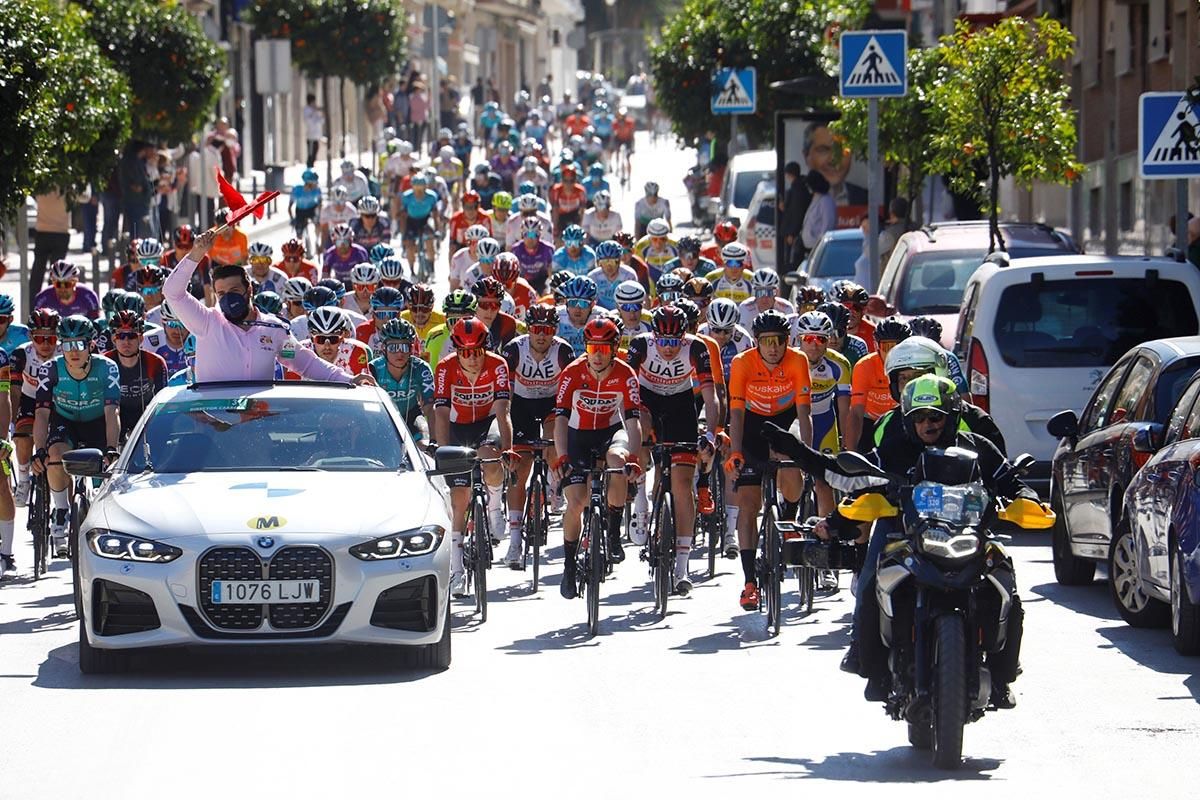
(764, 278)
(487, 248)
(528, 202)
(391, 269)
(327, 321)
(446, 153)
(405, 148)
(530, 163)
(339, 193)
(651, 189)
(365, 274)
(149, 248)
(917, 352)
(368, 205)
(723, 313)
(445, 133)
(261, 250)
(658, 227)
(602, 199)
(735, 251)
(294, 289)
(508, 305)
(63, 270)
(475, 233)
(817, 322)
(631, 292)
(168, 313)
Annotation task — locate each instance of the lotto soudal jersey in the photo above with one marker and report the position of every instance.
(674, 375)
(592, 403)
(535, 376)
(470, 399)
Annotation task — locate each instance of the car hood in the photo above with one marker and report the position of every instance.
(174, 505)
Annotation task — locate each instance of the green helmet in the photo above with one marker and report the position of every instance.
(502, 200)
(398, 330)
(109, 302)
(130, 301)
(76, 326)
(459, 301)
(931, 393)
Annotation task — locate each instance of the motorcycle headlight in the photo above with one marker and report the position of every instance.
(945, 543)
(407, 544)
(126, 547)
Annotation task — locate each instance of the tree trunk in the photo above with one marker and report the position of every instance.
(328, 135)
(342, 88)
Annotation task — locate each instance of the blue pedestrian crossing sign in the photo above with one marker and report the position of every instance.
(874, 63)
(733, 90)
(1168, 136)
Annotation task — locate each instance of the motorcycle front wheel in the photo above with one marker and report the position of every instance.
(949, 691)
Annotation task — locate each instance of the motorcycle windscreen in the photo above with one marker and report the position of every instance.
(951, 466)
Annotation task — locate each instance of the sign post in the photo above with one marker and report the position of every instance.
(874, 64)
(1168, 147)
(734, 91)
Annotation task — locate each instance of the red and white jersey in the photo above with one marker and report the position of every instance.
(592, 404)
(470, 400)
(667, 376)
(462, 260)
(534, 376)
(353, 356)
(370, 335)
(459, 224)
(25, 363)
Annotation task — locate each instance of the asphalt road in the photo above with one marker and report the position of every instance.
(700, 704)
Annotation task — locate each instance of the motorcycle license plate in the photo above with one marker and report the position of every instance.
(270, 592)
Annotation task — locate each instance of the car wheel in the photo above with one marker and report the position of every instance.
(94, 661)
(436, 655)
(1185, 615)
(1133, 604)
(1069, 569)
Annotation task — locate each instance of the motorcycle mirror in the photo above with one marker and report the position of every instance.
(853, 463)
(1023, 463)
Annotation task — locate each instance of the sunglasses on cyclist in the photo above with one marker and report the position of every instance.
(398, 347)
(721, 331)
(384, 315)
(63, 284)
(260, 261)
(608, 262)
(75, 344)
(5, 319)
(814, 338)
(764, 292)
(607, 348)
(487, 260)
(734, 263)
(668, 341)
(327, 338)
(543, 330)
(44, 338)
(149, 290)
(927, 416)
(174, 325)
(531, 234)
(471, 352)
(125, 336)
(772, 339)
(853, 306)
(488, 305)
(578, 302)
(630, 307)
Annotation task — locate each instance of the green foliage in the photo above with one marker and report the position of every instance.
(906, 124)
(1002, 102)
(362, 41)
(63, 107)
(174, 69)
(783, 40)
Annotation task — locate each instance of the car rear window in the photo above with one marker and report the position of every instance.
(1088, 322)
(745, 184)
(766, 211)
(934, 282)
(835, 258)
(1170, 386)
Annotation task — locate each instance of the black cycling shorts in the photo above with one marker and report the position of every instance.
(77, 433)
(528, 415)
(582, 445)
(25, 414)
(472, 434)
(415, 228)
(673, 417)
(754, 445)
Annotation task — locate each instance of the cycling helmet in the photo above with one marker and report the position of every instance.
(557, 281)
(915, 353)
(341, 233)
(488, 287)
(698, 289)
(347, 166)
(108, 303)
(725, 233)
(487, 249)
(928, 327)
(506, 269)
(459, 301)
(529, 187)
(669, 284)
(735, 251)
(468, 334)
(723, 313)
(837, 314)
(310, 176)
(261, 250)
(149, 248)
(6, 305)
(418, 179)
(333, 284)
(391, 269)
(531, 225)
(541, 314)
(381, 251)
(470, 197)
(568, 169)
(127, 321)
(63, 270)
(608, 251)
(683, 273)
(327, 321)
(658, 227)
(266, 302)
(504, 148)
(167, 313)
(368, 206)
(482, 169)
(319, 297)
(184, 236)
(446, 152)
(149, 277)
(130, 301)
(690, 310)
(502, 200)
(596, 170)
(770, 321)
(292, 248)
(405, 147)
(45, 319)
(528, 202)
(811, 296)
(419, 294)
(579, 287)
(364, 274)
(475, 233)
(651, 189)
(572, 233)
(623, 238)
(764, 278)
(669, 321)
(339, 193)
(931, 393)
(602, 199)
(295, 288)
(387, 297)
(76, 326)
(398, 330)
(814, 322)
(688, 244)
(892, 329)
(844, 291)
(601, 331)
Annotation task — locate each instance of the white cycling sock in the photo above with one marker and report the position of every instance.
(641, 503)
(495, 498)
(514, 520)
(683, 547)
(6, 537)
(58, 498)
(731, 519)
(23, 472)
(456, 552)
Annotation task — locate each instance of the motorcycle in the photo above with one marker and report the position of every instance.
(945, 589)
(696, 183)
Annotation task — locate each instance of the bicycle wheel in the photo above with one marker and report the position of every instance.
(34, 526)
(716, 522)
(535, 530)
(44, 523)
(594, 563)
(483, 547)
(664, 532)
(775, 577)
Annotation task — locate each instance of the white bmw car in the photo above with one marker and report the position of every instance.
(263, 514)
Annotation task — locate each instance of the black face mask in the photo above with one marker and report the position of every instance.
(234, 306)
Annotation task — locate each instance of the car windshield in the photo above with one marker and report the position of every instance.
(746, 183)
(1088, 322)
(835, 258)
(284, 433)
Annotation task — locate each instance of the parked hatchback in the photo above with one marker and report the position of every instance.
(757, 232)
(1038, 335)
(831, 260)
(1100, 451)
(742, 177)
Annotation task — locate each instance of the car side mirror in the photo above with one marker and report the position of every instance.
(796, 278)
(85, 463)
(451, 460)
(1063, 425)
(1147, 439)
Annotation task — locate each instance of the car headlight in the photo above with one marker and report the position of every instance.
(125, 547)
(944, 543)
(407, 544)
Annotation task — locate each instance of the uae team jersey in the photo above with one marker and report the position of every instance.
(668, 376)
(594, 404)
(536, 377)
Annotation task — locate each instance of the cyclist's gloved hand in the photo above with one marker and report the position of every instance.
(510, 457)
(559, 464)
(735, 462)
(633, 466)
(782, 441)
(722, 439)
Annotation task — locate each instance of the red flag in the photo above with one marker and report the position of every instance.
(233, 198)
(255, 207)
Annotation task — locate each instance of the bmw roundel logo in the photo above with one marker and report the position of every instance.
(266, 542)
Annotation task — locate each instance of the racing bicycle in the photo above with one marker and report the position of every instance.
(592, 556)
(536, 518)
(478, 544)
(769, 566)
(659, 551)
(39, 523)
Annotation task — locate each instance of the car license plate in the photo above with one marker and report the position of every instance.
(255, 592)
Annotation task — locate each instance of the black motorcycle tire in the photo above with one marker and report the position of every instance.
(949, 691)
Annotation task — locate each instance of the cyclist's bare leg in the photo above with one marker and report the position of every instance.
(749, 500)
(824, 494)
(572, 519)
(618, 490)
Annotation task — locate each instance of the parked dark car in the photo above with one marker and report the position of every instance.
(1099, 452)
(1156, 572)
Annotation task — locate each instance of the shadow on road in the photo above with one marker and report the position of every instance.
(897, 765)
(1151, 647)
(1092, 600)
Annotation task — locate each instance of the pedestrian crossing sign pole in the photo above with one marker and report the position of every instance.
(734, 91)
(1169, 147)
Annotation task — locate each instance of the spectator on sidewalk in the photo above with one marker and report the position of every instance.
(793, 207)
(418, 113)
(821, 215)
(172, 178)
(110, 204)
(202, 179)
(89, 206)
(51, 236)
(895, 226)
(314, 125)
(137, 189)
(225, 140)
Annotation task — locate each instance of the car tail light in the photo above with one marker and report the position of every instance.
(977, 372)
